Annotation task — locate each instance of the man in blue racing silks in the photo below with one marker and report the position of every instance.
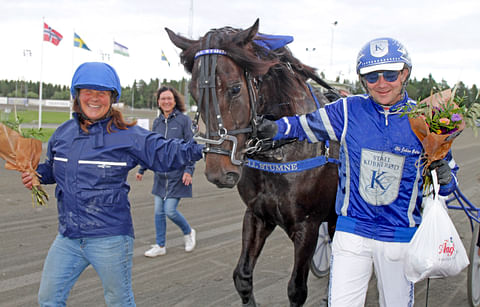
(379, 193)
(89, 158)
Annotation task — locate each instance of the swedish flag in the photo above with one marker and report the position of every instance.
(78, 42)
(164, 57)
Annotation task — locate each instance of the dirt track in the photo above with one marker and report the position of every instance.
(204, 277)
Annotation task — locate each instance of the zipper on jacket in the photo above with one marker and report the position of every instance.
(386, 113)
(165, 174)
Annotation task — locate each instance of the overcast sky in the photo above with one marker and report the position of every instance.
(442, 36)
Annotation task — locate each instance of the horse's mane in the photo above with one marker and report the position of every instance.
(285, 72)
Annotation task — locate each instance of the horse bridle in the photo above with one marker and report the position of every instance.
(207, 86)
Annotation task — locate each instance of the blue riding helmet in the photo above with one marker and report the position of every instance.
(382, 54)
(96, 76)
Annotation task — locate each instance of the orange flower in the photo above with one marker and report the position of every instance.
(444, 120)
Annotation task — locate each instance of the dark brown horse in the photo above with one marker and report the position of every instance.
(234, 79)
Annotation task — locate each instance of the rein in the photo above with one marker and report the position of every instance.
(296, 166)
(207, 86)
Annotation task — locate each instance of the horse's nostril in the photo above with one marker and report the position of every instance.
(232, 177)
(228, 181)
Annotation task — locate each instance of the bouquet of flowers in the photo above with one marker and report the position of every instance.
(437, 121)
(22, 154)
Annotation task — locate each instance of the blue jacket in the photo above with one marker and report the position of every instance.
(169, 184)
(91, 170)
(379, 194)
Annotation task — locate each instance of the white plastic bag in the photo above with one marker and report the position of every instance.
(436, 249)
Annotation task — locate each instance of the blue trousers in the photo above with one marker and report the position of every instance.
(168, 207)
(111, 257)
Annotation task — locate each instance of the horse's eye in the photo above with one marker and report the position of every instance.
(234, 90)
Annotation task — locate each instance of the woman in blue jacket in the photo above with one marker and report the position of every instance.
(169, 187)
(89, 158)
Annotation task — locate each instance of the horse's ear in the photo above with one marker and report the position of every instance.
(246, 36)
(178, 40)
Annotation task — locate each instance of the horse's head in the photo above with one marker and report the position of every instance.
(224, 65)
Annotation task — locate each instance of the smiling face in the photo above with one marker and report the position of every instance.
(95, 104)
(166, 102)
(387, 93)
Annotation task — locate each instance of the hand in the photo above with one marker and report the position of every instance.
(187, 179)
(332, 95)
(139, 177)
(27, 180)
(197, 152)
(266, 129)
(444, 172)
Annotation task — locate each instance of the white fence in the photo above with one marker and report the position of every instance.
(35, 102)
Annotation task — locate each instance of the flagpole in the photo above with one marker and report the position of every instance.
(41, 78)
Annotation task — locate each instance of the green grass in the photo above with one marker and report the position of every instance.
(31, 117)
(43, 134)
(48, 117)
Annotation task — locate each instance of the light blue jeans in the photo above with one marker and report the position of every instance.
(111, 257)
(168, 207)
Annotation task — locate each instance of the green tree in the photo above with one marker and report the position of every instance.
(61, 95)
(144, 93)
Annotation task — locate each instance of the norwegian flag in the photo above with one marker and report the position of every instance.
(50, 35)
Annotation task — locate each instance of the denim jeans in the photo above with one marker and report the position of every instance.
(111, 257)
(168, 207)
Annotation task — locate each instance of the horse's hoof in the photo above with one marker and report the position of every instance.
(251, 303)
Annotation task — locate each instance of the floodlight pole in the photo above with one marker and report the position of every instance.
(189, 33)
(331, 46)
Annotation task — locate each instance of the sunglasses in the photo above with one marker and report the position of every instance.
(388, 75)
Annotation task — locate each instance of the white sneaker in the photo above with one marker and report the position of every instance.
(155, 251)
(190, 241)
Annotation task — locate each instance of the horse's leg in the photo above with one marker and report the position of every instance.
(254, 233)
(304, 239)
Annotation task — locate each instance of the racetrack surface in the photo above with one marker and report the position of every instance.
(203, 277)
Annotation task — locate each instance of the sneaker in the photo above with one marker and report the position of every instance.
(155, 251)
(190, 241)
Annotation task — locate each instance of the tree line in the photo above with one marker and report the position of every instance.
(142, 94)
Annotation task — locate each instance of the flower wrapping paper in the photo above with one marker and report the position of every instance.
(436, 146)
(21, 154)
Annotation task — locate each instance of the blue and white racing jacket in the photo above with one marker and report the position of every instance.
(379, 194)
(91, 171)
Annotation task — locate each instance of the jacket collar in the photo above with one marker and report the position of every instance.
(174, 113)
(96, 130)
(393, 108)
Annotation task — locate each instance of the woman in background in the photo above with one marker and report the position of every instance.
(169, 187)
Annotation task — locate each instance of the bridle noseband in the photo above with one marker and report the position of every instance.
(207, 87)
